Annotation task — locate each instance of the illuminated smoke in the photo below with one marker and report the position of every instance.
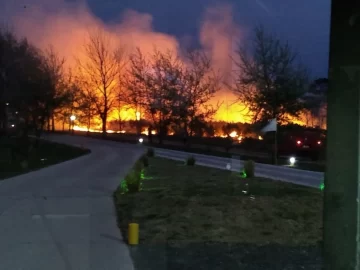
(65, 25)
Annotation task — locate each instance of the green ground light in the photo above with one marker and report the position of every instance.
(123, 187)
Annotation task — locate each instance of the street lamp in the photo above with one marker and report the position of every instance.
(72, 119)
(292, 161)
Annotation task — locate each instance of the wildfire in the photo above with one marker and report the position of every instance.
(79, 128)
(146, 132)
(135, 30)
(233, 134)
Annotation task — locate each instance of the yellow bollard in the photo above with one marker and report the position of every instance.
(133, 234)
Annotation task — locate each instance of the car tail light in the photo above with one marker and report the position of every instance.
(298, 142)
(319, 142)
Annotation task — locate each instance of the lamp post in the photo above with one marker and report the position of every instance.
(342, 176)
(72, 119)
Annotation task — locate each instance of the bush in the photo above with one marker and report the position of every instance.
(249, 168)
(139, 165)
(190, 161)
(133, 181)
(144, 159)
(150, 152)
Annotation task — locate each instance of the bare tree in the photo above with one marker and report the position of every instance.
(171, 91)
(121, 107)
(99, 70)
(71, 99)
(269, 81)
(315, 102)
(54, 66)
(8, 45)
(153, 85)
(134, 84)
(87, 109)
(199, 85)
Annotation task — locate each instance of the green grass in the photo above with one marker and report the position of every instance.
(46, 154)
(180, 205)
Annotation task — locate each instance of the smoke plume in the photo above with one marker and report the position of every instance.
(65, 24)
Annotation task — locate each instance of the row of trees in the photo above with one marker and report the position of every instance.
(161, 87)
(167, 89)
(31, 84)
(173, 92)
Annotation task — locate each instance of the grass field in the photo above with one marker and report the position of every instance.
(46, 154)
(197, 216)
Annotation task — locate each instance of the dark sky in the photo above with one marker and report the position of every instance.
(304, 23)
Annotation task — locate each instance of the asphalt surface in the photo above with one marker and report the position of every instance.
(281, 173)
(62, 217)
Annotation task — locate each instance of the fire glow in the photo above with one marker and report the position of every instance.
(218, 34)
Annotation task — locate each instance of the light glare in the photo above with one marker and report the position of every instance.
(292, 161)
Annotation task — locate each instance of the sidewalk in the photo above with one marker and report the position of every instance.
(62, 217)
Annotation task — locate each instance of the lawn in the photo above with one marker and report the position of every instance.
(202, 218)
(46, 154)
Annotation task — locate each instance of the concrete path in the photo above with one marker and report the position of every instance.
(62, 217)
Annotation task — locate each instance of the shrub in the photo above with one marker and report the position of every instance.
(190, 161)
(144, 159)
(133, 181)
(139, 165)
(150, 152)
(249, 168)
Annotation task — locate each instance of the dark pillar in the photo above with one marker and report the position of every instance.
(342, 185)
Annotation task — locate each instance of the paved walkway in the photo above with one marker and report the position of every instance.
(62, 217)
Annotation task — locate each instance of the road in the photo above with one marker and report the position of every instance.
(281, 173)
(62, 217)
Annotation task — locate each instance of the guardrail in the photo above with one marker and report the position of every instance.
(281, 173)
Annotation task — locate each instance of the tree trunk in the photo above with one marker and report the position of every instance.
(104, 120)
(88, 125)
(120, 124)
(53, 123)
(48, 124)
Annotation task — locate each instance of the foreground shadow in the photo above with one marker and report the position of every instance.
(224, 256)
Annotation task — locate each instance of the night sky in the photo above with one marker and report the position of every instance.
(305, 23)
